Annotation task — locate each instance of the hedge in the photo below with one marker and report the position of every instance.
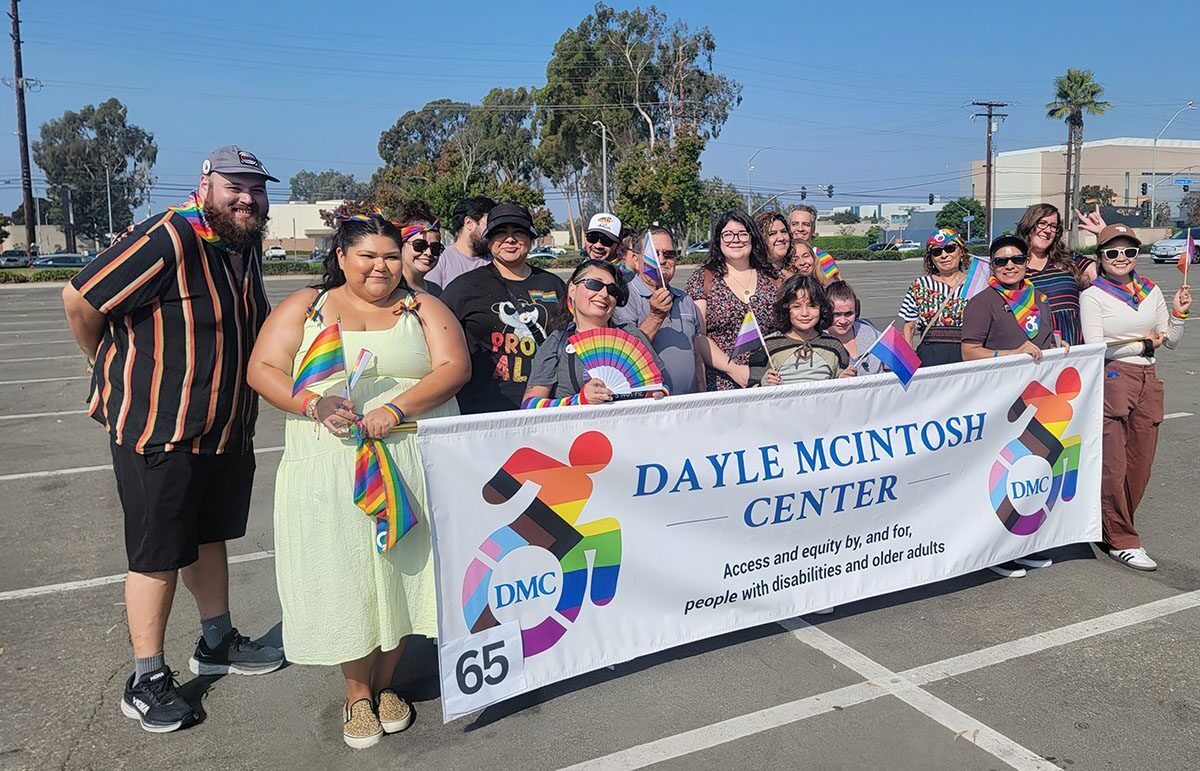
(39, 274)
(292, 267)
(842, 243)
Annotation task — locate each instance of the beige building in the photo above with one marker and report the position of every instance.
(1026, 177)
(298, 226)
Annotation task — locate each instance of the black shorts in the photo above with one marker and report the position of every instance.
(175, 501)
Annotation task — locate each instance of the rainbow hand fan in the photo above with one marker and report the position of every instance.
(619, 360)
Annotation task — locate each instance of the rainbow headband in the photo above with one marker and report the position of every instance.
(408, 231)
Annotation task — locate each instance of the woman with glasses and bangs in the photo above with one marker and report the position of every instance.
(736, 277)
(1130, 315)
(932, 309)
(596, 289)
(421, 245)
(1056, 272)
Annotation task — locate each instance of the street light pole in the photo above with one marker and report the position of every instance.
(749, 169)
(1154, 158)
(108, 193)
(603, 161)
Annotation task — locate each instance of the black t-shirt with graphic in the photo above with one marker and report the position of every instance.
(505, 322)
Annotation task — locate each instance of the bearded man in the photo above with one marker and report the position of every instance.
(167, 317)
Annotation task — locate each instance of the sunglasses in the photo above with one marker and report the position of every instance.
(420, 244)
(595, 285)
(593, 238)
(1128, 252)
(1016, 259)
(938, 250)
(670, 255)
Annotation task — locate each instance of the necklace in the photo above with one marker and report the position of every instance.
(747, 292)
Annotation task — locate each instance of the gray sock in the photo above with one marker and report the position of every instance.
(148, 665)
(215, 629)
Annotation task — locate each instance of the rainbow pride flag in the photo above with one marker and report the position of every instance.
(895, 352)
(827, 265)
(379, 492)
(978, 274)
(651, 267)
(1185, 257)
(749, 336)
(324, 359)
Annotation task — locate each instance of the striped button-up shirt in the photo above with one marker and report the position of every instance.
(170, 372)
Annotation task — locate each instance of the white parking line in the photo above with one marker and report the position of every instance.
(1171, 415)
(770, 718)
(77, 356)
(58, 472)
(46, 329)
(43, 414)
(44, 380)
(70, 586)
(35, 342)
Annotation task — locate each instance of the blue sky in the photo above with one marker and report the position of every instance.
(870, 97)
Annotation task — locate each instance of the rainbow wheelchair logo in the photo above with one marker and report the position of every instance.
(551, 523)
(1040, 467)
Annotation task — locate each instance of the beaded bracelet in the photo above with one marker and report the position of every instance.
(396, 411)
(308, 407)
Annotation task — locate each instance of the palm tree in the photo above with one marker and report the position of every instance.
(1075, 93)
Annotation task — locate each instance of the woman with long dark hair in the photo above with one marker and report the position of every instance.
(736, 277)
(594, 291)
(1055, 271)
(347, 599)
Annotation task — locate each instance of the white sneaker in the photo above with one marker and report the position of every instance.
(1134, 558)
(1036, 560)
(1008, 570)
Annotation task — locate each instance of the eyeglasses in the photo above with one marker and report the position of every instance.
(734, 236)
(420, 245)
(938, 250)
(668, 255)
(1016, 259)
(1128, 252)
(595, 285)
(593, 238)
(1052, 227)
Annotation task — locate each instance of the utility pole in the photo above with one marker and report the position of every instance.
(990, 114)
(603, 161)
(23, 132)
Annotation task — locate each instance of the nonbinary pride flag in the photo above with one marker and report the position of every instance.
(650, 264)
(324, 359)
(895, 352)
(749, 336)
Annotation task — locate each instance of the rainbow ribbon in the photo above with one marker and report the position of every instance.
(324, 359)
(379, 492)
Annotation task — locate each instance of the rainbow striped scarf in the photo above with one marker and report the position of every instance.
(192, 210)
(1141, 289)
(379, 492)
(1022, 303)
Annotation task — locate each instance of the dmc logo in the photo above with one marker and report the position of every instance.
(1041, 466)
(520, 591)
(550, 524)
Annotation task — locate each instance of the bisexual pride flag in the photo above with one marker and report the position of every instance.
(749, 336)
(897, 355)
(324, 359)
(651, 268)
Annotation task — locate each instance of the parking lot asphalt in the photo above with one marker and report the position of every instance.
(1085, 665)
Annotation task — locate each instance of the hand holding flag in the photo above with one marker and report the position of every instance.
(324, 359)
(651, 267)
(749, 336)
(1186, 256)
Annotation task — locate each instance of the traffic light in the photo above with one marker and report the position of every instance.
(803, 192)
(1187, 188)
(1144, 188)
(931, 199)
(829, 191)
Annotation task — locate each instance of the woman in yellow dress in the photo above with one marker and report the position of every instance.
(343, 601)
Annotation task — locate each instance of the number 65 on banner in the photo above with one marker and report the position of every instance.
(481, 669)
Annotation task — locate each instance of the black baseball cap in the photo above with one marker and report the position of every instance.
(509, 214)
(1007, 240)
(232, 159)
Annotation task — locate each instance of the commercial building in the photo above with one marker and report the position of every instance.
(298, 226)
(1026, 177)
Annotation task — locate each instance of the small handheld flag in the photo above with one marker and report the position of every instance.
(651, 267)
(324, 359)
(749, 336)
(978, 274)
(379, 491)
(364, 360)
(896, 354)
(827, 265)
(1185, 257)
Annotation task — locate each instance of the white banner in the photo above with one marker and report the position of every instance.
(569, 539)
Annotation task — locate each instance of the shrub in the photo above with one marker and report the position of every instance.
(38, 274)
(867, 255)
(829, 243)
(292, 267)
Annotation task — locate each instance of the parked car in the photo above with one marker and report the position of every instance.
(62, 261)
(881, 247)
(14, 258)
(700, 247)
(316, 256)
(544, 252)
(275, 252)
(909, 246)
(1169, 249)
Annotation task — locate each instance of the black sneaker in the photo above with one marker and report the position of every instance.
(236, 654)
(155, 703)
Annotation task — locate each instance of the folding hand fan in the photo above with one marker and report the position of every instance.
(619, 360)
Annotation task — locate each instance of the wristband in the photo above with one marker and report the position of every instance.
(1179, 315)
(309, 406)
(396, 411)
(538, 402)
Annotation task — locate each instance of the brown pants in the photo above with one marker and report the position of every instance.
(1133, 411)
